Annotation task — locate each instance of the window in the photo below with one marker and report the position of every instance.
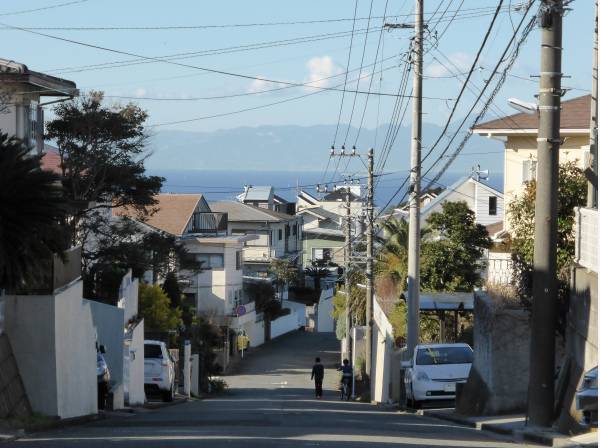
(152, 351)
(279, 234)
(492, 206)
(444, 355)
(323, 254)
(238, 260)
(210, 261)
(529, 170)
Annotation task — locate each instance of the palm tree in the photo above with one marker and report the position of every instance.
(32, 207)
(392, 259)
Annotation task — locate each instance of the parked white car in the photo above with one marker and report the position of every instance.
(159, 370)
(434, 370)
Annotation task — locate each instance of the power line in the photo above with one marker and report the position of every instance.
(362, 60)
(44, 8)
(205, 69)
(337, 127)
(209, 52)
(473, 11)
(464, 86)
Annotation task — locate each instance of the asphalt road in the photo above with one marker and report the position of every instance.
(270, 403)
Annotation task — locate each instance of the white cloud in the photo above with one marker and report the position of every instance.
(139, 92)
(461, 62)
(319, 68)
(258, 85)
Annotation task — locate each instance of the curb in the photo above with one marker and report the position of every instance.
(452, 418)
(165, 404)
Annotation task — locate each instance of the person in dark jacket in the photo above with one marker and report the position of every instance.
(318, 372)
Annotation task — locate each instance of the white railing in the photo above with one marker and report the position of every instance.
(586, 238)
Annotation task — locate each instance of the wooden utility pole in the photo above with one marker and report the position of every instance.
(369, 289)
(540, 407)
(414, 224)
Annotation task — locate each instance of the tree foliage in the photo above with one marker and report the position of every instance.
(451, 257)
(155, 308)
(521, 212)
(32, 210)
(284, 272)
(102, 153)
(429, 327)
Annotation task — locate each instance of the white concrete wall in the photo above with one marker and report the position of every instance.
(133, 372)
(299, 309)
(256, 333)
(108, 323)
(284, 325)
(325, 323)
(54, 343)
(382, 356)
(128, 296)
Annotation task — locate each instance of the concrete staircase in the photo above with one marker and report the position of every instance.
(13, 398)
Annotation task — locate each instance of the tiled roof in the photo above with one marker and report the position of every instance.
(575, 114)
(51, 160)
(173, 212)
(238, 211)
(492, 229)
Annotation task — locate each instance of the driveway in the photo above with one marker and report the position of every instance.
(270, 403)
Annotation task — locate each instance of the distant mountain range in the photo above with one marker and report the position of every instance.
(298, 148)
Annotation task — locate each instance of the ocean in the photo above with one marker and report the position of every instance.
(219, 185)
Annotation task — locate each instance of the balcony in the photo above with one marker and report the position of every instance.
(586, 238)
(209, 222)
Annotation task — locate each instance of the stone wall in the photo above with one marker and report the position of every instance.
(499, 377)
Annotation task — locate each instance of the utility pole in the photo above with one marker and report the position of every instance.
(540, 406)
(369, 289)
(592, 193)
(414, 230)
(347, 255)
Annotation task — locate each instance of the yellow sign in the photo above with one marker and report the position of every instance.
(243, 342)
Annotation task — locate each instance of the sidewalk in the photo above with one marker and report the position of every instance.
(514, 425)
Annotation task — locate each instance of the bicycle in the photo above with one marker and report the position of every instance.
(345, 390)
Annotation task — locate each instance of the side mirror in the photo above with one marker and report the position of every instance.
(406, 364)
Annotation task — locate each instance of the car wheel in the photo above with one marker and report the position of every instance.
(169, 395)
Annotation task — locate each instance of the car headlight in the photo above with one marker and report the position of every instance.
(422, 376)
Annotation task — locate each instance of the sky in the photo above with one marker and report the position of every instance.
(298, 63)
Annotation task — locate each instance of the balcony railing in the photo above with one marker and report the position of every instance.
(586, 238)
(209, 222)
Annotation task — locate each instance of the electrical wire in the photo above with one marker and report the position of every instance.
(44, 8)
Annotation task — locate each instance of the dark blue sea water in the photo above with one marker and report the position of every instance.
(218, 185)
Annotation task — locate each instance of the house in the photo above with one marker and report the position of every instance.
(217, 290)
(486, 202)
(323, 237)
(265, 197)
(272, 234)
(518, 132)
(21, 109)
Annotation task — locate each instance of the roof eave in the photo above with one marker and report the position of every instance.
(506, 132)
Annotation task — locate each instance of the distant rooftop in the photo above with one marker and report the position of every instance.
(172, 215)
(263, 193)
(238, 211)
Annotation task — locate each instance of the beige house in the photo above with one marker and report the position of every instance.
(519, 133)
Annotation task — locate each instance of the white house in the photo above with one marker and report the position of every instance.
(486, 202)
(21, 109)
(274, 234)
(265, 197)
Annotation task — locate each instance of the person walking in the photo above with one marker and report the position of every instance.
(318, 372)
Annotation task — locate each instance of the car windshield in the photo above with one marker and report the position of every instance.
(152, 351)
(444, 355)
